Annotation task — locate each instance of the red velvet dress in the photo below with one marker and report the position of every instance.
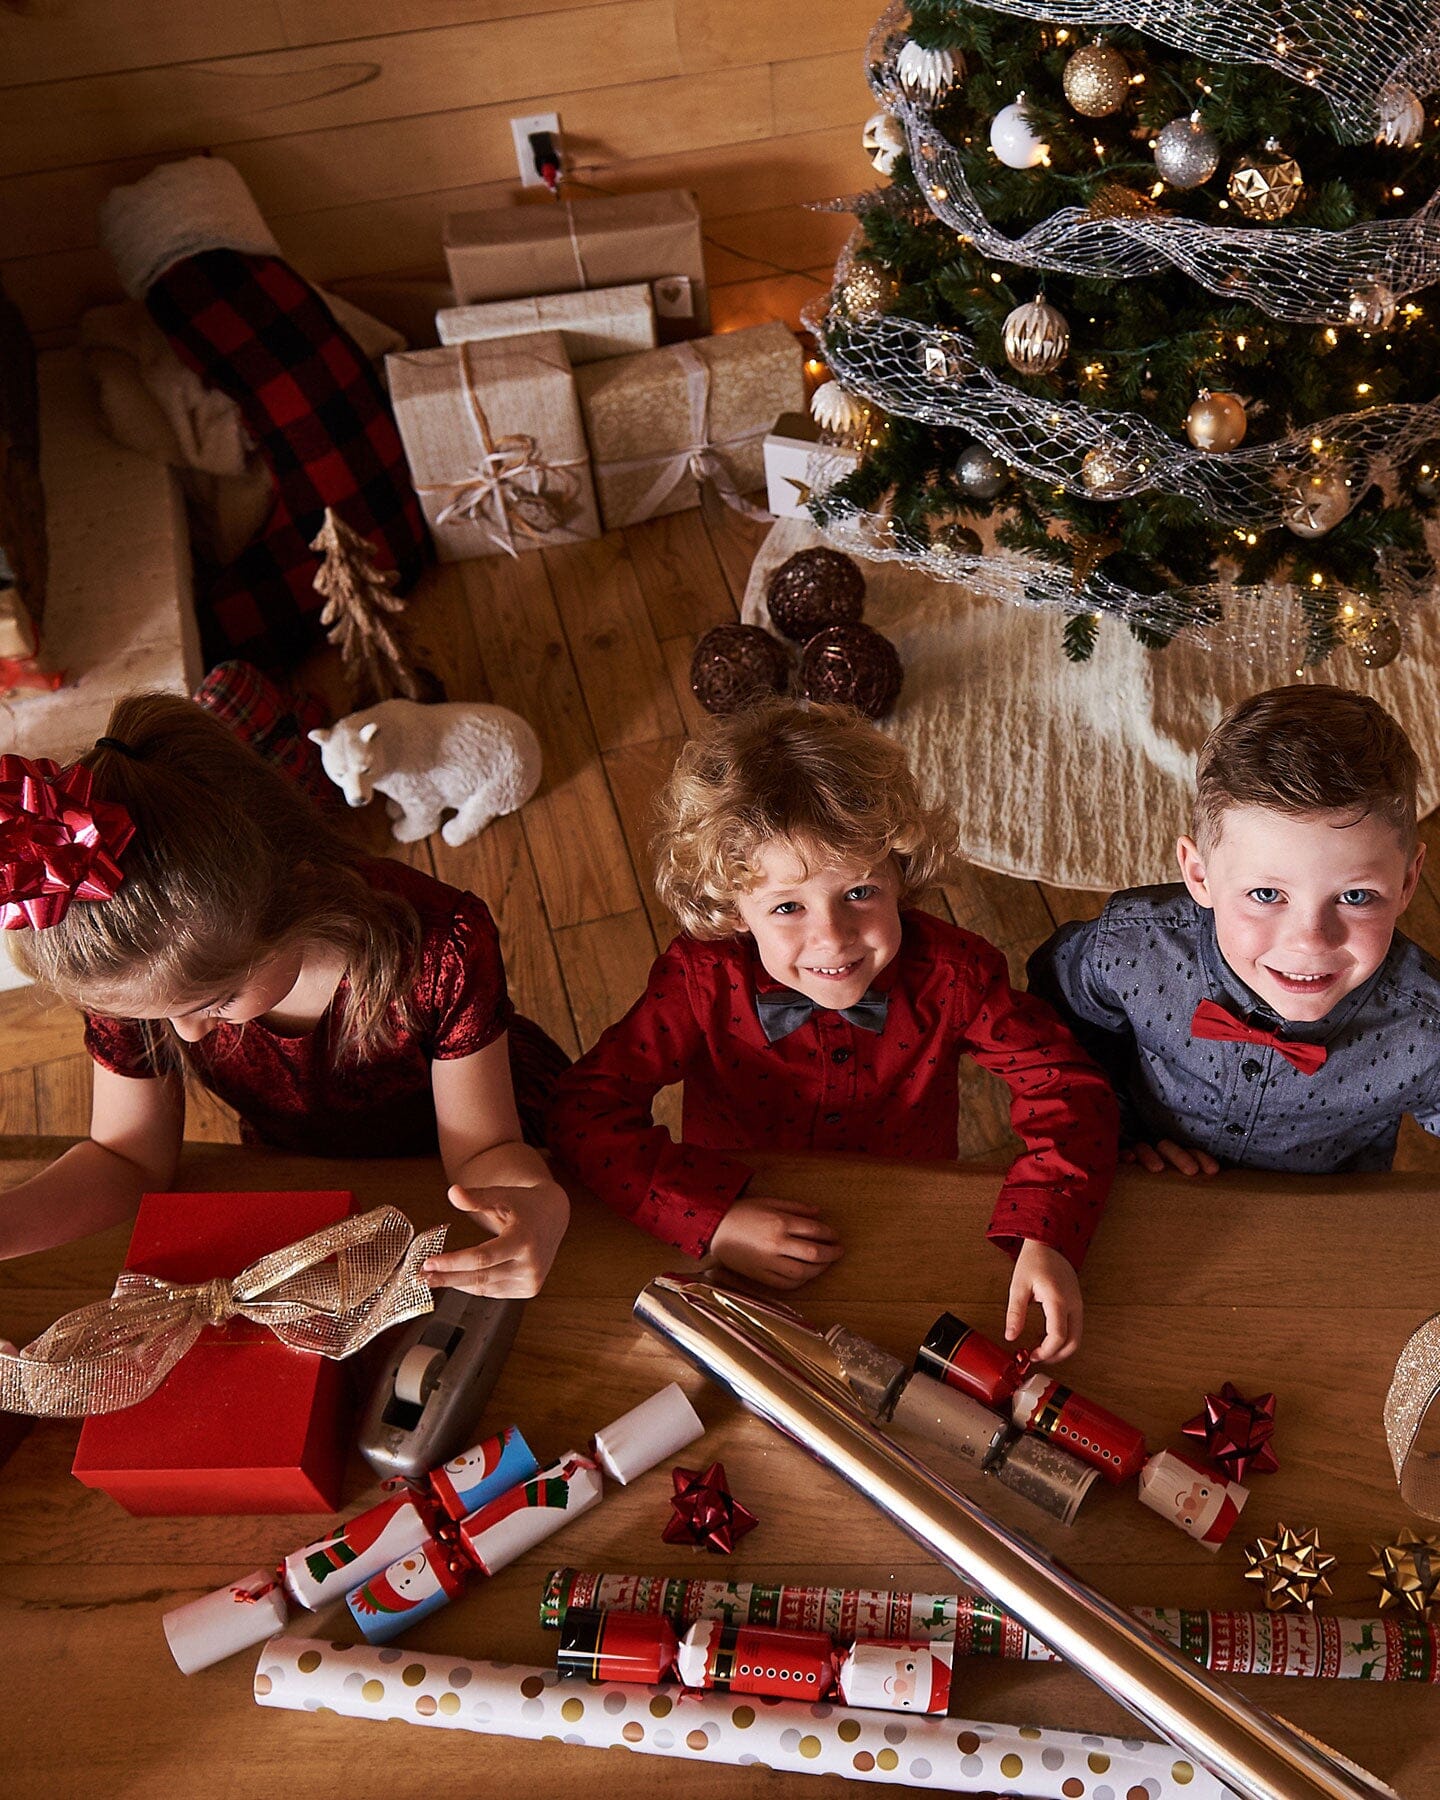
(292, 1093)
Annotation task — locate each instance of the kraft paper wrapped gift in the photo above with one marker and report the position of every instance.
(596, 323)
(798, 464)
(661, 423)
(496, 449)
(604, 241)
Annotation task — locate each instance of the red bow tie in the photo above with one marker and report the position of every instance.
(1212, 1021)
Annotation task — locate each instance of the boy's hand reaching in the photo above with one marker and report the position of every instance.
(1167, 1154)
(528, 1223)
(1045, 1276)
(781, 1243)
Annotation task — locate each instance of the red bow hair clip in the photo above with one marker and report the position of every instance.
(56, 843)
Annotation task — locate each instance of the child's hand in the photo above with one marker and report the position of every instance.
(782, 1243)
(528, 1223)
(1167, 1154)
(1045, 1276)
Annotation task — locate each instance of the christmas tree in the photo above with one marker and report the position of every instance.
(358, 596)
(1149, 297)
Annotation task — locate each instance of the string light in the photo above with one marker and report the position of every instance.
(1317, 579)
(1330, 335)
(1362, 387)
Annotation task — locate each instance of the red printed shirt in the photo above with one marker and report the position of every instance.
(833, 1086)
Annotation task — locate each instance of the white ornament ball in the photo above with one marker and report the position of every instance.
(1036, 337)
(1013, 138)
(1317, 501)
(1216, 422)
(927, 74)
(1372, 308)
(835, 409)
(884, 141)
(1402, 117)
(1186, 154)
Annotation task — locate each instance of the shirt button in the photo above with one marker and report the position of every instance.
(1250, 1068)
(839, 1056)
(833, 1118)
(1236, 1130)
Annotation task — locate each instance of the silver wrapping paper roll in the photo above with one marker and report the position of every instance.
(646, 1435)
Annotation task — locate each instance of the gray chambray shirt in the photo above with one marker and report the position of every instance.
(1128, 983)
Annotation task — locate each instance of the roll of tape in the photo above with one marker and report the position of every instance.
(419, 1370)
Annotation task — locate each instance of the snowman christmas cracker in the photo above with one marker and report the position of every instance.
(525, 1516)
(465, 1483)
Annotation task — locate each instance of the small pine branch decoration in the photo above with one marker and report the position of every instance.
(358, 596)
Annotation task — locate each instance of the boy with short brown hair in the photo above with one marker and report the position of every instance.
(1267, 1013)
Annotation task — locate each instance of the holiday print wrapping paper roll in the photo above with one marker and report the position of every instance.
(529, 1513)
(617, 1646)
(757, 1659)
(215, 1626)
(358, 1549)
(1078, 1425)
(1203, 1504)
(414, 1586)
(648, 1434)
(502, 1699)
(896, 1677)
(484, 1472)
(1305, 1644)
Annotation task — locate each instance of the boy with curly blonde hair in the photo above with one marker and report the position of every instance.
(808, 1006)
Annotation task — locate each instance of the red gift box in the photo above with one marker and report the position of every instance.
(242, 1424)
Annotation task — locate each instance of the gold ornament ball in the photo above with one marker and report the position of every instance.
(1266, 185)
(1105, 470)
(1316, 500)
(1379, 643)
(1036, 337)
(867, 288)
(1216, 422)
(1096, 81)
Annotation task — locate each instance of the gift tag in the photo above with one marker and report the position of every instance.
(673, 297)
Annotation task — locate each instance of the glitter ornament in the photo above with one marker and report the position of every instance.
(1402, 117)
(813, 589)
(1105, 470)
(851, 665)
(734, 666)
(927, 74)
(980, 472)
(884, 141)
(1186, 154)
(1036, 337)
(955, 540)
(1216, 421)
(867, 288)
(1316, 502)
(1409, 1573)
(1096, 81)
(843, 414)
(1291, 1569)
(1013, 138)
(1266, 185)
(1378, 642)
(1372, 308)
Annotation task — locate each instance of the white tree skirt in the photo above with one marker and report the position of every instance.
(1079, 774)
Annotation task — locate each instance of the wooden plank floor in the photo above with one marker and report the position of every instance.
(592, 644)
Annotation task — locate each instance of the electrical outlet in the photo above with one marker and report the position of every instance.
(520, 130)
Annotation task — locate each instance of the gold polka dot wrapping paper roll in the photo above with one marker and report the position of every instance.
(955, 1756)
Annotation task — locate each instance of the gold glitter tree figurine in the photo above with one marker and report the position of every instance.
(357, 600)
(1291, 1568)
(1409, 1573)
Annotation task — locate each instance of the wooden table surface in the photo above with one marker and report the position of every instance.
(1271, 1283)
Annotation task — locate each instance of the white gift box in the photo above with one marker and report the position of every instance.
(594, 324)
(797, 464)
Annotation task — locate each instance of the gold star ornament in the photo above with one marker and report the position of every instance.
(1291, 1569)
(1409, 1573)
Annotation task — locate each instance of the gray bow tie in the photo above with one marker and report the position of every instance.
(785, 1010)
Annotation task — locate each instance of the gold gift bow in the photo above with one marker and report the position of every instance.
(510, 467)
(700, 459)
(1414, 1388)
(330, 1293)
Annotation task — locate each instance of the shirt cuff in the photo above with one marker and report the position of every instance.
(688, 1218)
(1063, 1221)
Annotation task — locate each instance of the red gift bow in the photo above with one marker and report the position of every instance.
(1236, 1432)
(706, 1512)
(56, 844)
(1212, 1021)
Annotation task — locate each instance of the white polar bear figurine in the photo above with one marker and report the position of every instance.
(479, 761)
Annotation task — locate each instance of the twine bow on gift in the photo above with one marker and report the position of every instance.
(329, 1293)
(518, 488)
(1414, 1388)
(700, 458)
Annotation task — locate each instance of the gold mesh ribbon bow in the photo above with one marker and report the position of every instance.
(1414, 1389)
(330, 1293)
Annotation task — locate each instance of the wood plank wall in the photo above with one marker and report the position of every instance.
(359, 123)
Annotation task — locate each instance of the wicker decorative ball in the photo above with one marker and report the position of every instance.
(813, 589)
(852, 665)
(736, 665)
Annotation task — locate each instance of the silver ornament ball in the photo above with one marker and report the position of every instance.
(1402, 117)
(1036, 337)
(927, 74)
(980, 472)
(1096, 81)
(1372, 308)
(1216, 422)
(1105, 470)
(1186, 154)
